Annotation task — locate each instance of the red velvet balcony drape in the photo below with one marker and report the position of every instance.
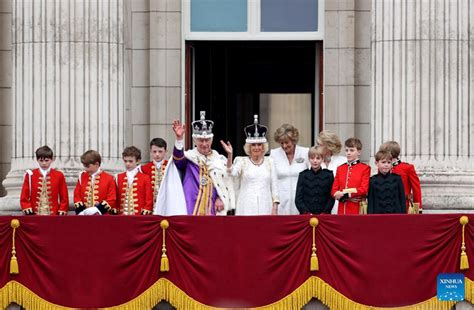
(364, 261)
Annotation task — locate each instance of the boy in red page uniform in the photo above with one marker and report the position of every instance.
(44, 190)
(95, 191)
(134, 190)
(351, 183)
(411, 182)
(156, 168)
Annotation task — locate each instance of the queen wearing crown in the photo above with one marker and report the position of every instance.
(258, 194)
(205, 189)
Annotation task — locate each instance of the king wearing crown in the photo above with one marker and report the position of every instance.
(206, 189)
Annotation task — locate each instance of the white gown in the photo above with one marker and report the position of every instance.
(258, 189)
(287, 175)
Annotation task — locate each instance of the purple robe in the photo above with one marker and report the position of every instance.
(191, 182)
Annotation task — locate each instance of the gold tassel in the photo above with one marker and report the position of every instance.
(165, 264)
(464, 259)
(14, 262)
(464, 262)
(14, 266)
(314, 263)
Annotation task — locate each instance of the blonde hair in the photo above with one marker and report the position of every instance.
(287, 131)
(330, 140)
(391, 146)
(317, 150)
(247, 148)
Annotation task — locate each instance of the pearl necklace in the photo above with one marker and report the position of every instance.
(256, 163)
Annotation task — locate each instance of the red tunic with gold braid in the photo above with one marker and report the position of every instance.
(354, 176)
(45, 196)
(135, 199)
(102, 191)
(156, 175)
(411, 182)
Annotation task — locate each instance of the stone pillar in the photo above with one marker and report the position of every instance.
(423, 93)
(153, 47)
(68, 85)
(5, 89)
(347, 70)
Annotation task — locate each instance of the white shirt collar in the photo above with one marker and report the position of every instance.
(158, 164)
(131, 175)
(96, 173)
(44, 172)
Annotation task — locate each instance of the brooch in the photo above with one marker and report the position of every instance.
(204, 181)
(299, 160)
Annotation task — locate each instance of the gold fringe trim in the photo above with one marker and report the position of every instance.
(163, 289)
(468, 290)
(315, 287)
(20, 294)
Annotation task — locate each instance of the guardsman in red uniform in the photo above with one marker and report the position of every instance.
(156, 168)
(95, 191)
(351, 183)
(135, 193)
(44, 190)
(411, 182)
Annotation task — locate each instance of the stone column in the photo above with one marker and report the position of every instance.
(5, 89)
(423, 93)
(347, 70)
(153, 47)
(68, 85)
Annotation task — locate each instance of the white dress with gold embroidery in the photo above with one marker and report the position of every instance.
(258, 186)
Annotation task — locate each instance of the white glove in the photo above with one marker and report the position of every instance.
(90, 211)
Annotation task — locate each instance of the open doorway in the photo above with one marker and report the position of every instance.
(233, 80)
